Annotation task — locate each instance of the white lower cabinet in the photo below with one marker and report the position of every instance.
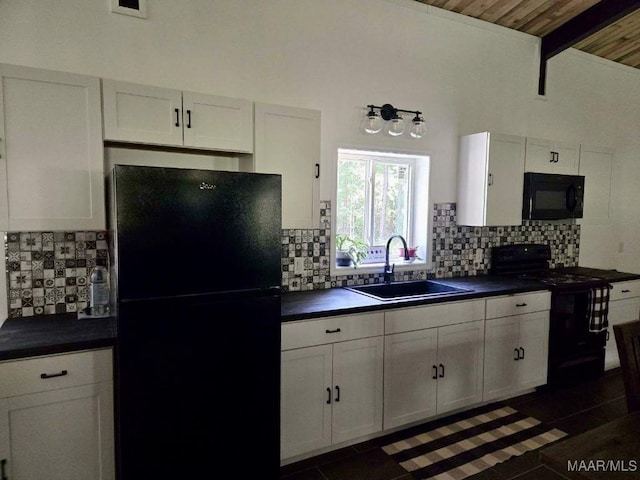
(515, 355)
(429, 371)
(332, 392)
(624, 306)
(516, 344)
(56, 417)
(352, 376)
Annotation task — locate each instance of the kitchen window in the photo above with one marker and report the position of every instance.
(380, 194)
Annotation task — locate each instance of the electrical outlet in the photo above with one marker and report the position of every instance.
(298, 265)
(375, 254)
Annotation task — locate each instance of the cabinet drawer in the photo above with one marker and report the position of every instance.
(20, 377)
(408, 319)
(622, 290)
(331, 329)
(518, 304)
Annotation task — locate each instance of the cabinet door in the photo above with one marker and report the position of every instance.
(357, 388)
(64, 434)
(620, 311)
(460, 365)
(142, 114)
(533, 343)
(547, 156)
(53, 153)
(505, 181)
(500, 357)
(306, 397)
(287, 142)
(217, 123)
(567, 158)
(596, 165)
(490, 179)
(410, 388)
(538, 156)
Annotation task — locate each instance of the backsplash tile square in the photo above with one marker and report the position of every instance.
(48, 272)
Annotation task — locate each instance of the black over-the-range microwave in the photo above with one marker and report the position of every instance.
(549, 196)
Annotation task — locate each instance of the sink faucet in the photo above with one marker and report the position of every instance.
(388, 269)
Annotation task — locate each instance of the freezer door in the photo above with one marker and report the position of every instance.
(198, 387)
(182, 232)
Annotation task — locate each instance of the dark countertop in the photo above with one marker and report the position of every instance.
(611, 275)
(49, 334)
(340, 301)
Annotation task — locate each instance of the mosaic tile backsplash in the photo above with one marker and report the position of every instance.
(48, 272)
(455, 250)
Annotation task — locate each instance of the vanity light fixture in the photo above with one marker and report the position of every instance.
(373, 121)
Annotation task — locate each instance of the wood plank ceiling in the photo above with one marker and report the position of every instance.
(618, 42)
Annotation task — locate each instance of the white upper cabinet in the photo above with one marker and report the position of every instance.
(547, 156)
(596, 164)
(287, 142)
(51, 165)
(218, 123)
(163, 116)
(490, 179)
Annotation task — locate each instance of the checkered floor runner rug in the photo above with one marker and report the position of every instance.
(456, 450)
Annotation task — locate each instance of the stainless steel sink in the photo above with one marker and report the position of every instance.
(399, 290)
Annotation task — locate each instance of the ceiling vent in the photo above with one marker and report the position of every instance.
(135, 8)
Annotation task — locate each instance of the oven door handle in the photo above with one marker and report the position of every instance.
(572, 198)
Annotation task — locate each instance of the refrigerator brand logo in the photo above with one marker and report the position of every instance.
(207, 186)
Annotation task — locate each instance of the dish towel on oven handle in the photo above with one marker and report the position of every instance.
(598, 308)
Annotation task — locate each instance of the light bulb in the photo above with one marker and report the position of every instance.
(418, 127)
(372, 123)
(396, 126)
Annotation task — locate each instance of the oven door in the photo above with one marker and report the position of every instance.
(552, 197)
(575, 353)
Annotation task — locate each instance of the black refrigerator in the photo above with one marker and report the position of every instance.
(195, 272)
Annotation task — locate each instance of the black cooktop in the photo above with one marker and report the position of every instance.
(531, 262)
(557, 277)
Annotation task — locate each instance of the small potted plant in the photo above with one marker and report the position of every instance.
(413, 254)
(349, 251)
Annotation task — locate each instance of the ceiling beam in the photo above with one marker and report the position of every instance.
(595, 18)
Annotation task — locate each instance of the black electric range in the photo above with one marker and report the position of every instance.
(575, 352)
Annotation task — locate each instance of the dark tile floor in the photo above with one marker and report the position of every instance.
(571, 409)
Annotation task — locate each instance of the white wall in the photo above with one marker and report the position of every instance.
(340, 55)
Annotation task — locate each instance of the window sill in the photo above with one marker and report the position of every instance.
(369, 268)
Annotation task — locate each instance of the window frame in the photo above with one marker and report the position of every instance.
(372, 159)
(420, 165)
